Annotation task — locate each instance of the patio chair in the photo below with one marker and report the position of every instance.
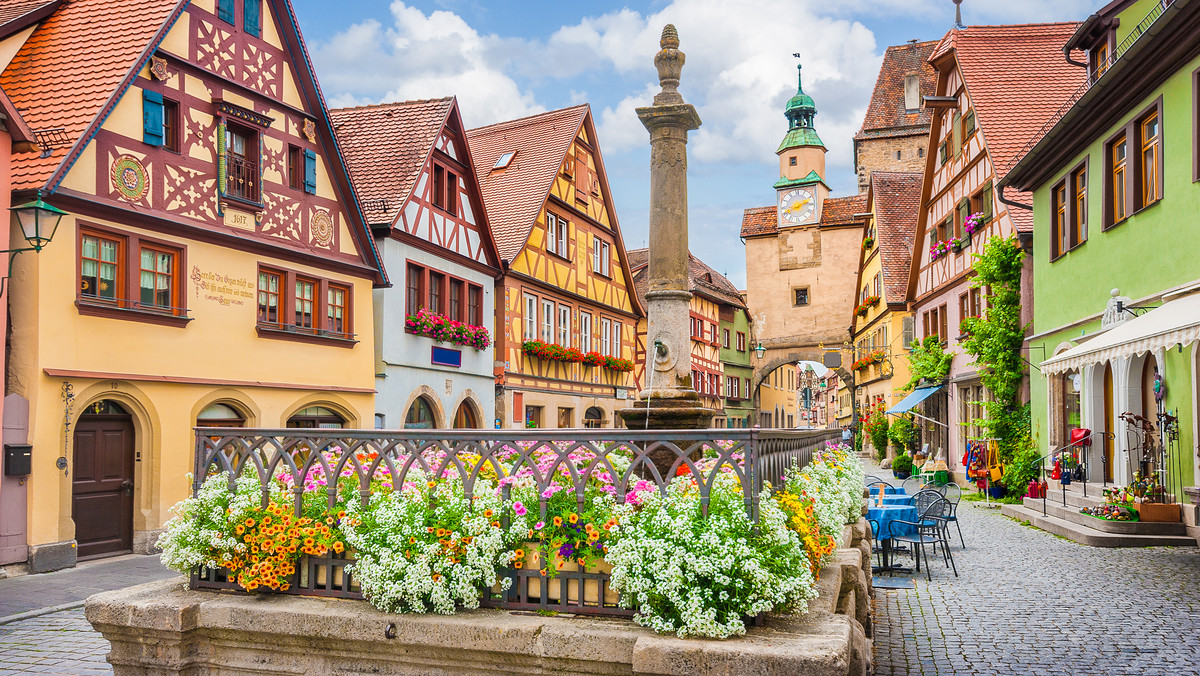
(931, 530)
(953, 496)
(876, 547)
(913, 484)
(870, 479)
(940, 489)
(883, 486)
(924, 499)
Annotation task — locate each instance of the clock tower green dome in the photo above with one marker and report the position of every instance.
(800, 111)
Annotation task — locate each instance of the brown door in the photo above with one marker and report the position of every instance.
(102, 486)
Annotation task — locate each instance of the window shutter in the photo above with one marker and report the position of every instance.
(986, 199)
(251, 13)
(225, 10)
(310, 172)
(152, 117)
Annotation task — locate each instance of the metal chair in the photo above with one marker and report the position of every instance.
(876, 548)
(912, 485)
(931, 530)
(953, 496)
(883, 486)
(923, 500)
(871, 478)
(940, 489)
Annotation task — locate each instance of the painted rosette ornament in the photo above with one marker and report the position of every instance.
(130, 178)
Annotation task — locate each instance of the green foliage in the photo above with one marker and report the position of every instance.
(1025, 467)
(994, 341)
(903, 434)
(902, 464)
(928, 362)
(875, 424)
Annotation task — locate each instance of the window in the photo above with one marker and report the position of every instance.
(909, 329)
(942, 155)
(1151, 159)
(800, 296)
(712, 333)
(600, 256)
(1099, 58)
(557, 230)
(616, 339)
(1068, 212)
(456, 298)
(963, 213)
(564, 325)
(171, 125)
(504, 160)
(968, 125)
(415, 288)
(912, 93)
(445, 189)
(437, 298)
(920, 152)
(157, 272)
(956, 133)
(792, 161)
(1058, 221)
(316, 417)
(593, 418)
(475, 305)
(897, 154)
(1117, 152)
(252, 17)
(241, 163)
(530, 318)
(269, 287)
(981, 203)
(725, 338)
(585, 332)
(935, 323)
(160, 121)
(605, 336)
(741, 342)
(100, 267)
(1079, 206)
(547, 320)
(336, 315)
(306, 290)
(295, 168)
(877, 285)
(1135, 185)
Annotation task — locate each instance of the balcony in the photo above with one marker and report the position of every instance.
(241, 178)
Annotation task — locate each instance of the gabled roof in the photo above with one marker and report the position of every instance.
(887, 114)
(1017, 79)
(73, 65)
(758, 221)
(514, 196)
(895, 197)
(385, 146)
(702, 279)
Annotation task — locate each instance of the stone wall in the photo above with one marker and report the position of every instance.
(164, 628)
(880, 155)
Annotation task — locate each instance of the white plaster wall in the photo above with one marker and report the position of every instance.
(405, 358)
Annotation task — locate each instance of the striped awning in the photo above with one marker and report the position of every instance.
(1176, 322)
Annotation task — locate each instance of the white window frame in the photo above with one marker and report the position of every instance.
(547, 320)
(606, 336)
(564, 325)
(604, 258)
(585, 331)
(551, 233)
(616, 339)
(530, 319)
(595, 254)
(563, 232)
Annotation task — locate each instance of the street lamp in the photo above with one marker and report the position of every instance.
(38, 222)
(759, 350)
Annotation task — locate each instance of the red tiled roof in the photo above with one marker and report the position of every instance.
(72, 65)
(15, 9)
(1017, 78)
(514, 196)
(702, 279)
(887, 113)
(385, 147)
(896, 200)
(835, 211)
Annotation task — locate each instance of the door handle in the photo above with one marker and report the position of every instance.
(127, 487)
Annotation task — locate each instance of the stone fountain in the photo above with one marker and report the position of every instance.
(668, 402)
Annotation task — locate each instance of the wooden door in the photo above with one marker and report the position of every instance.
(102, 485)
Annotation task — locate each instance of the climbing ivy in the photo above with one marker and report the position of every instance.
(928, 362)
(994, 341)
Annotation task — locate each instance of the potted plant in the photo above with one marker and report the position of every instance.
(902, 466)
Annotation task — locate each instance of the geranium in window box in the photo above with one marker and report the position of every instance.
(940, 249)
(593, 358)
(552, 352)
(617, 364)
(959, 243)
(973, 224)
(868, 243)
(446, 330)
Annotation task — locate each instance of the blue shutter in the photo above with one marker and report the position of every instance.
(152, 117)
(251, 13)
(225, 10)
(310, 172)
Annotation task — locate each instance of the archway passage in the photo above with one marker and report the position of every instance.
(102, 480)
(420, 415)
(465, 418)
(316, 417)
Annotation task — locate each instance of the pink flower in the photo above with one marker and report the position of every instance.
(519, 508)
(539, 525)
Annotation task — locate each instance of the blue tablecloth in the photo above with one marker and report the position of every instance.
(898, 499)
(886, 514)
(891, 490)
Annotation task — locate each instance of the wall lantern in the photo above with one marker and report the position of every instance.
(759, 350)
(37, 221)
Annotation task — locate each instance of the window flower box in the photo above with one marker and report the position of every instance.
(870, 302)
(868, 243)
(446, 330)
(973, 224)
(876, 357)
(569, 355)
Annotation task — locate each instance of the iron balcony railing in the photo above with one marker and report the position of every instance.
(241, 177)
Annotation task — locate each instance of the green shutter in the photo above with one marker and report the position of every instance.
(310, 172)
(225, 11)
(986, 207)
(251, 17)
(152, 117)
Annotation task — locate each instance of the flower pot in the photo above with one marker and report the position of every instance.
(1157, 511)
(901, 475)
(996, 492)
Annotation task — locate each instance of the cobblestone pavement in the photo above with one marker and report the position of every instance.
(30, 592)
(58, 643)
(1027, 602)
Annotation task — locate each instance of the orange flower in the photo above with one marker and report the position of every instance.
(573, 518)
(519, 554)
(558, 521)
(518, 564)
(430, 484)
(487, 513)
(249, 523)
(337, 547)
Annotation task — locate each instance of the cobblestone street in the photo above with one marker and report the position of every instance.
(1027, 602)
(57, 643)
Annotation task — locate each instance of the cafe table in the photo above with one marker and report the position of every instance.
(890, 490)
(887, 516)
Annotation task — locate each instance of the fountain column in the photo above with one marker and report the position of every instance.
(669, 400)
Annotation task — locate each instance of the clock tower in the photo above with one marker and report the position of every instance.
(801, 187)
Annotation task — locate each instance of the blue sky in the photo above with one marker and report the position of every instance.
(508, 59)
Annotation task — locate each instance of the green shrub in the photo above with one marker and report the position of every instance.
(903, 434)
(902, 464)
(1023, 469)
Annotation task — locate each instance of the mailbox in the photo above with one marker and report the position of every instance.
(18, 459)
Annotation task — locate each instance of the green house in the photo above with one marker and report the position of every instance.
(1116, 277)
(736, 366)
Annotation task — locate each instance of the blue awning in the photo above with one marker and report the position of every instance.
(918, 395)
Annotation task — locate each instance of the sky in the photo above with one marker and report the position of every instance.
(505, 60)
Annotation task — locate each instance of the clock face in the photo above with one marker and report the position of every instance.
(797, 206)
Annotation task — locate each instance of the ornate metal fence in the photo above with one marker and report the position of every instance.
(620, 459)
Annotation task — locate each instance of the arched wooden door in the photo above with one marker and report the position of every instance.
(102, 481)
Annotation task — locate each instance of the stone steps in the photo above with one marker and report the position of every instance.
(1072, 514)
(1086, 535)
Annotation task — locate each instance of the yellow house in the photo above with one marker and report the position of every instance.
(566, 290)
(882, 325)
(213, 268)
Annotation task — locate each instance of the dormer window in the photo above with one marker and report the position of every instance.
(505, 160)
(1099, 59)
(912, 94)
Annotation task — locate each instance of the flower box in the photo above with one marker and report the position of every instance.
(567, 574)
(446, 330)
(1157, 511)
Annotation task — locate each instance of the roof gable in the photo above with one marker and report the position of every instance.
(887, 110)
(895, 200)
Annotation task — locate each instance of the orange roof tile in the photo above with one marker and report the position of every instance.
(887, 114)
(385, 147)
(11, 10)
(760, 221)
(73, 65)
(834, 211)
(514, 196)
(896, 199)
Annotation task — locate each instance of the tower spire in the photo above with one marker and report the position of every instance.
(958, 24)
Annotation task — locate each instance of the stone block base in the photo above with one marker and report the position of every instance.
(164, 628)
(52, 556)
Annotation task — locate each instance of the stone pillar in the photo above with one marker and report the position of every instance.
(669, 400)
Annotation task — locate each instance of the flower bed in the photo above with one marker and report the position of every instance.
(570, 355)
(453, 526)
(446, 330)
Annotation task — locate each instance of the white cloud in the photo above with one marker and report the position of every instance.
(423, 56)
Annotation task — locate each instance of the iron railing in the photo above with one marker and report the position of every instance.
(241, 177)
(1082, 463)
(756, 457)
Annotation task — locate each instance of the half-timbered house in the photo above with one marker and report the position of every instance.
(566, 313)
(212, 269)
(413, 172)
(996, 88)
